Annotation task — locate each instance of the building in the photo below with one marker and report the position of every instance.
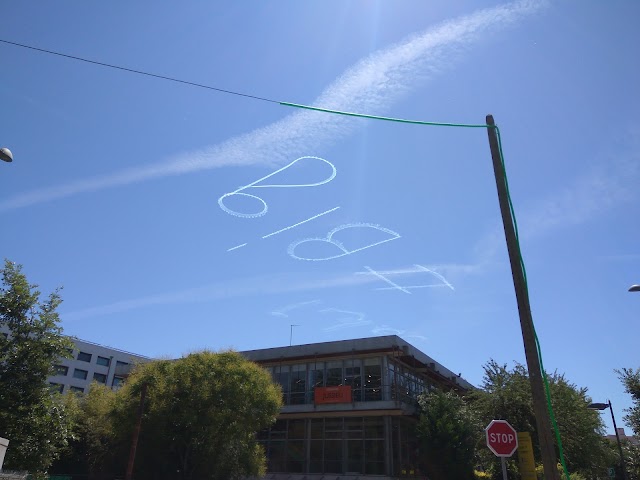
(92, 362)
(349, 407)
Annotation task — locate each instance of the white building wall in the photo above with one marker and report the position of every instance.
(98, 361)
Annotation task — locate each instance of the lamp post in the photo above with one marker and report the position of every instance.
(6, 155)
(604, 406)
(634, 288)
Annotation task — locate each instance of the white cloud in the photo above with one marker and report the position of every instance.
(370, 86)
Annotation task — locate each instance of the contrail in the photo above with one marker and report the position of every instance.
(372, 85)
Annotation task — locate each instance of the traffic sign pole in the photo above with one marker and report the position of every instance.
(504, 468)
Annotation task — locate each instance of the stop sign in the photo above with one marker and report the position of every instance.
(502, 439)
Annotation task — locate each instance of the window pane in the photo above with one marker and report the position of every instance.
(76, 389)
(84, 357)
(372, 382)
(296, 430)
(279, 430)
(78, 373)
(103, 361)
(117, 381)
(61, 369)
(100, 377)
(295, 456)
(298, 385)
(355, 456)
(333, 456)
(56, 387)
(334, 374)
(277, 456)
(316, 456)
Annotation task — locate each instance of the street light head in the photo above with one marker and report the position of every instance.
(598, 406)
(6, 155)
(634, 288)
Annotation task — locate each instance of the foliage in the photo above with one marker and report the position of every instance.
(448, 432)
(90, 446)
(200, 417)
(631, 454)
(631, 380)
(35, 421)
(506, 394)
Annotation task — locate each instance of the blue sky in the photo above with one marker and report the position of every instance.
(368, 227)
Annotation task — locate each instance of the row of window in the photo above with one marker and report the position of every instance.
(366, 377)
(104, 361)
(82, 374)
(331, 445)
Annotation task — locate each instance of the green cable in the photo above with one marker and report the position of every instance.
(556, 431)
(515, 224)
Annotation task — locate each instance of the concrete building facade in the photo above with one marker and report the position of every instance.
(92, 362)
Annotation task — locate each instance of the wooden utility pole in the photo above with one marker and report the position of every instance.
(136, 433)
(543, 422)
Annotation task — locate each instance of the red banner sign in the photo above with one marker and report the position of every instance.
(340, 394)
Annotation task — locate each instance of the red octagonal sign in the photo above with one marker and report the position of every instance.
(502, 439)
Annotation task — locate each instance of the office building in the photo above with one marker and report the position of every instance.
(349, 407)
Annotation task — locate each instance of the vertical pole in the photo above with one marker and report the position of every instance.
(503, 461)
(543, 422)
(136, 434)
(615, 428)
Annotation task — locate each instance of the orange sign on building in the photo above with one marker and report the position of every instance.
(341, 394)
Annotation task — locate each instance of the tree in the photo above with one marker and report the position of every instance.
(506, 394)
(631, 380)
(90, 449)
(448, 432)
(31, 417)
(201, 415)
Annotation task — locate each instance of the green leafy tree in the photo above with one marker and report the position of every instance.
(91, 445)
(448, 431)
(631, 380)
(34, 420)
(506, 394)
(200, 418)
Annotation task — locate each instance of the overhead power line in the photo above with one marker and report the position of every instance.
(139, 72)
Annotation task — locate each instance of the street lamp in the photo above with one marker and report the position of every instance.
(604, 406)
(634, 288)
(6, 155)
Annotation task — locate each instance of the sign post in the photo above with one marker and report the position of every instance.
(502, 440)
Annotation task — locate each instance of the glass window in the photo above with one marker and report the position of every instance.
(279, 430)
(104, 361)
(100, 377)
(56, 387)
(298, 384)
(84, 357)
(296, 430)
(281, 376)
(316, 456)
(61, 369)
(79, 373)
(121, 364)
(334, 374)
(277, 456)
(76, 389)
(372, 380)
(316, 375)
(295, 456)
(333, 456)
(117, 381)
(353, 378)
